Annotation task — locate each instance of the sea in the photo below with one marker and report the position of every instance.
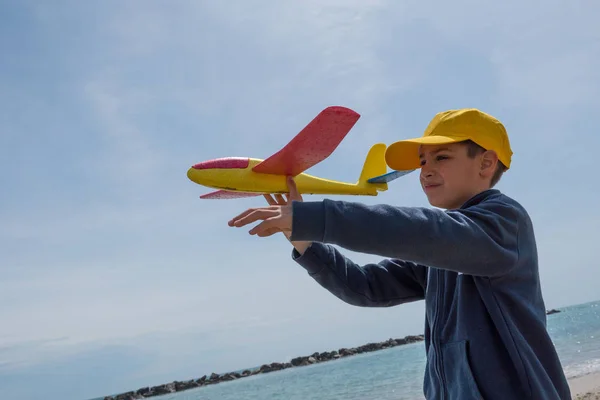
(397, 373)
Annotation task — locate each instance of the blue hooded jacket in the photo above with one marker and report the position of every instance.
(477, 270)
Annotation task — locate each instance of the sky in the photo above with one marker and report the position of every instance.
(115, 275)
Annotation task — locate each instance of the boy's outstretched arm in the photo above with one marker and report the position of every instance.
(479, 240)
(383, 284)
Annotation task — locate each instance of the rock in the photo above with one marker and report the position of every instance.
(265, 368)
(129, 396)
(346, 352)
(325, 356)
(277, 366)
(553, 311)
(181, 386)
(212, 379)
(414, 339)
(298, 361)
(163, 389)
(144, 392)
(228, 377)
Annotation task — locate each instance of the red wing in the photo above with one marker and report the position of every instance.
(313, 144)
(228, 194)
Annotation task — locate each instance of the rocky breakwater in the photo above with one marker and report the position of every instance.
(179, 386)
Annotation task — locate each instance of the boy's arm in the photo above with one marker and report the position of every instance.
(384, 284)
(479, 240)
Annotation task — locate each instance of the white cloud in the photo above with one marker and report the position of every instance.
(130, 158)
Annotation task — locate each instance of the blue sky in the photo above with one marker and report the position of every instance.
(116, 276)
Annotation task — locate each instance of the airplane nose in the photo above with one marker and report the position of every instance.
(229, 162)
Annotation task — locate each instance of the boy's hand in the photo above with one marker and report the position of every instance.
(279, 200)
(276, 218)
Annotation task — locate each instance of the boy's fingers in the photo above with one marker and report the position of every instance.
(268, 232)
(241, 215)
(255, 216)
(280, 198)
(270, 199)
(292, 186)
(268, 225)
(231, 222)
(248, 211)
(294, 195)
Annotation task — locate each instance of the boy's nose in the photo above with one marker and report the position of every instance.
(426, 171)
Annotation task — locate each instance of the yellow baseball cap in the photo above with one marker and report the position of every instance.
(452, 126)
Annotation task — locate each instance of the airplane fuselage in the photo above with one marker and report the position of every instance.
(236, 174)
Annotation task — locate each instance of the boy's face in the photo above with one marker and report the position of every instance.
(449, 177)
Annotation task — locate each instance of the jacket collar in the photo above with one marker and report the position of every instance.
(479, 197)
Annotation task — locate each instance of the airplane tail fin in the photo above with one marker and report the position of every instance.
(374, 166)
(374, 172)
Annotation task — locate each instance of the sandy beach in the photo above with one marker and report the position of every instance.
(586, 387)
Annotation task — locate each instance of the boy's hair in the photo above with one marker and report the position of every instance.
(474, 149)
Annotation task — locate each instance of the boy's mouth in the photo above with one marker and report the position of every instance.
(428, 186)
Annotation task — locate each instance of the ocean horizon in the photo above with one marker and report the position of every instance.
(393, 373)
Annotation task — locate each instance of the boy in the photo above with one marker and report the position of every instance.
(473, 260)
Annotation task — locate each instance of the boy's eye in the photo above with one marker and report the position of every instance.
(437, 158)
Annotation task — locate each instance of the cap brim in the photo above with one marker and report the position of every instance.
(404, 154)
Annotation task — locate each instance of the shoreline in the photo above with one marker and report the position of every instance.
(301, 361)
(585, 387)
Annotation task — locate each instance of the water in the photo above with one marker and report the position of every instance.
(576, 334)
(397, 373)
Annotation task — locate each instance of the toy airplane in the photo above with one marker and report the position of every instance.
(236, 177)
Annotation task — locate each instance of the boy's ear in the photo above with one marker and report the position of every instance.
(489, 160)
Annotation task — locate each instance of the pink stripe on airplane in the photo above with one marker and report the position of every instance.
(228, 194)
(223, 163)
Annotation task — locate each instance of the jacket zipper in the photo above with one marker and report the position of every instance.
(438, 363)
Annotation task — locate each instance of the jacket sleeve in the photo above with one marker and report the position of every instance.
(478, 240)
(383, 284)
